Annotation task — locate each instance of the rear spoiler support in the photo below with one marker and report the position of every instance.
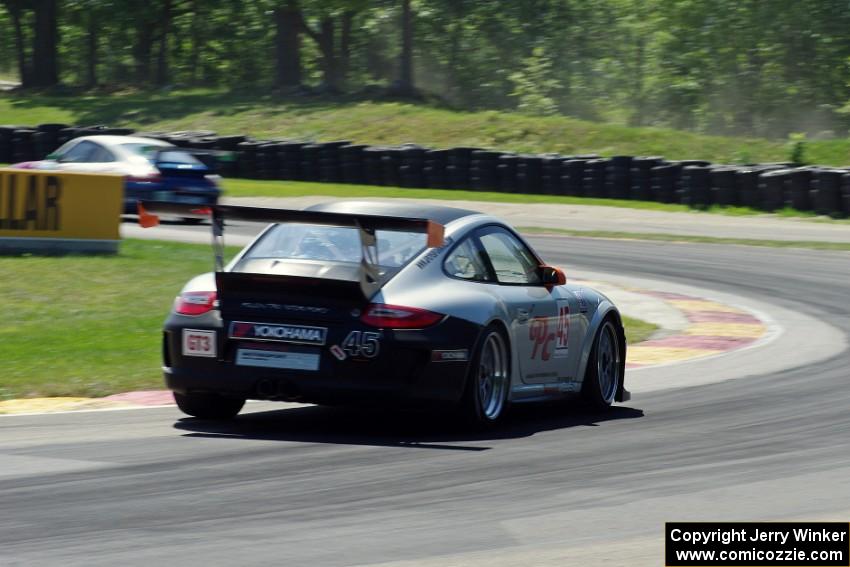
(366, 226)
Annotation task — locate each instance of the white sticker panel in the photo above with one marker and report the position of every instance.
(277, 359)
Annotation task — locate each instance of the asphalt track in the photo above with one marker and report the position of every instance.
(553, 486)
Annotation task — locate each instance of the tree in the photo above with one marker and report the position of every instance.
(15, 8)
(405, 84)
(288, 25)
(45, 68)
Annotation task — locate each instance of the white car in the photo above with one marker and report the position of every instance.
(155, 170)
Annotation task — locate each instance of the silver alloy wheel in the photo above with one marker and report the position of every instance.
(492, 376)
(608, 362)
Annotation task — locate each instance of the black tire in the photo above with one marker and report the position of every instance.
(192, 220)
(208, 406)
(604, 375)
(485, 401)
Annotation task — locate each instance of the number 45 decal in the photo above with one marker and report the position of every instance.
(362, 344)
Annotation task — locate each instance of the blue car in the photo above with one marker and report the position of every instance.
(154, 170)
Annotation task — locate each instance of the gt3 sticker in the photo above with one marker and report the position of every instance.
(199, 343)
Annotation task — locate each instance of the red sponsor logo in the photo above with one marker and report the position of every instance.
(538, 331)
(562, 333)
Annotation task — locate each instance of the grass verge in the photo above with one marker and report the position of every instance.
(808, 244)
(259, 188)
(90, 325)
(637, 330)
(370, 122)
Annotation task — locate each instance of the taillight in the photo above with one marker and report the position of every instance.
(195, 302)
(150, 178)
(397, 317)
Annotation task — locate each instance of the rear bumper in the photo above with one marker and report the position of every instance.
(193, 195)
(404, 373)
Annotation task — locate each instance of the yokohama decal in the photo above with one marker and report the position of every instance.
(298, 334)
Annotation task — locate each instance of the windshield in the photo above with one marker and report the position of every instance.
(330, 245)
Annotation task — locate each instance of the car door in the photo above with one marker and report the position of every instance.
(532, 306)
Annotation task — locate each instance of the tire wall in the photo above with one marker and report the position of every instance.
(695, 183)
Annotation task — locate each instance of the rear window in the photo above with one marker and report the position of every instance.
(166, 155)
(330, 244)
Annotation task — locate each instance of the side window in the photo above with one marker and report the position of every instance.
(81, 153)
(511, 260)
(466, 262)
(101, 155)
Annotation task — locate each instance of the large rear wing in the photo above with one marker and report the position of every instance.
(366, 226)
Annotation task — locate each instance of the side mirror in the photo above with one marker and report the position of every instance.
(553, 276)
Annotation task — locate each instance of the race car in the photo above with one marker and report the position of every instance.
(363, 302)
(154, 170)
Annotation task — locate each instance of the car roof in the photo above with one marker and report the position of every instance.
(118, 140)
(436, 213)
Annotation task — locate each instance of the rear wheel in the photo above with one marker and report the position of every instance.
(208, 406)
(604, 368)
(489, 379)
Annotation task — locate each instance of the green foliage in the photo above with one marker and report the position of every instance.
(534, 85)
(727, 67)
(797, 149)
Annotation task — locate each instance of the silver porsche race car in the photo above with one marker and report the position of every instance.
(365, 302)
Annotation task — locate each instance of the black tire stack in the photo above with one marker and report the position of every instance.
(572, 177)
(845, 194)
(352, 163)
(23, 144)
(594, 178)
(7, 143)
(506, 173)
(695, 187)
(618, 177)
(723, 187)
(458, 168)
(436, 162)
(484, 170)
(664, 182)
(695, 183)
(372, 161)
(640, 177)
(330, 164)
(412, 169)
(772, 189)
(826, 192)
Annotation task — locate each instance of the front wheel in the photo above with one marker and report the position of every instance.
(208, 406)
(489, 379)
(604, 368)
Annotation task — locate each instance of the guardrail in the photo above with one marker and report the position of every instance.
(696, 183)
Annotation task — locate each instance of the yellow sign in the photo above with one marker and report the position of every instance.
(40, 209)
